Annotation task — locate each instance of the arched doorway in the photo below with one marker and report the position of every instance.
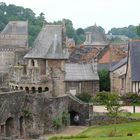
(72, 115)
(9, 127)
(21, 125)
(39, 89)
(21, 88)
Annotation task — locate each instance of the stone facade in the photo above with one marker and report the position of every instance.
(13, 39)
(91, 87)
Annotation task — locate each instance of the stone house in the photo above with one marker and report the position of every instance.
(117, 76)
(125, 75)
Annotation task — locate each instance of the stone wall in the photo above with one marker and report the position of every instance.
(33, 114)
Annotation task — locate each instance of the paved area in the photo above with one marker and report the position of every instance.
(101, 109)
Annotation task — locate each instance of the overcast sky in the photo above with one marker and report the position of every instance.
(83, 13)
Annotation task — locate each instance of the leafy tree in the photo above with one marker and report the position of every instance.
(80, 31)
(104, 80)
(13, 12)
(129, 31)
(138, 30)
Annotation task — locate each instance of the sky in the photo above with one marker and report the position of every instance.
(84, 13)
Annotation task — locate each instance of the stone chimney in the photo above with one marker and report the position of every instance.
(88, 38)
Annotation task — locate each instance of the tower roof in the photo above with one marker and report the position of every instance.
(16, 27)
(49, 44)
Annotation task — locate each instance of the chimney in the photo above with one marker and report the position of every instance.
(88, 37)
(14, 26)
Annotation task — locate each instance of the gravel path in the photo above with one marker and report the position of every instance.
(126, 108)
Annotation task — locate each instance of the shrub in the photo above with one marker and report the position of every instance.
(27, 113)
(84, 96)
(57, 122)
(101, 98)
(65, 118)
(131, 98)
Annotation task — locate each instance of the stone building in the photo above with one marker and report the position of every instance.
(125, 75)
(13, 39)
(117, 76)
(43, 69)
(46, 68)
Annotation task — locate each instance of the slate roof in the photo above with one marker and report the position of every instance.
(134, 47)
(48, 44)
(16, 27)
(80, 72)
(119, 64)
(98, 38)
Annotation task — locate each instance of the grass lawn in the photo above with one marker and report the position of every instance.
(107, 132)
(131, 115)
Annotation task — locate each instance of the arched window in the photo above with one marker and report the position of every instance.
(16, 88)
(46, 89)
(40, 89)
(27, 89)
(21, 88)
(33, 90)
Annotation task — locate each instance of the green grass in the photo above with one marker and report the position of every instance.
(107, 132)
(131, 115)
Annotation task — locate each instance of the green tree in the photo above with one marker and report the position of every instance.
(129, 31)
(104, 80)
(138, 30)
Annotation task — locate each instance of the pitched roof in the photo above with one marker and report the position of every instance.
(48, 44)
(80, 72)
(16, 27)
(134, 47)
(119, 64)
